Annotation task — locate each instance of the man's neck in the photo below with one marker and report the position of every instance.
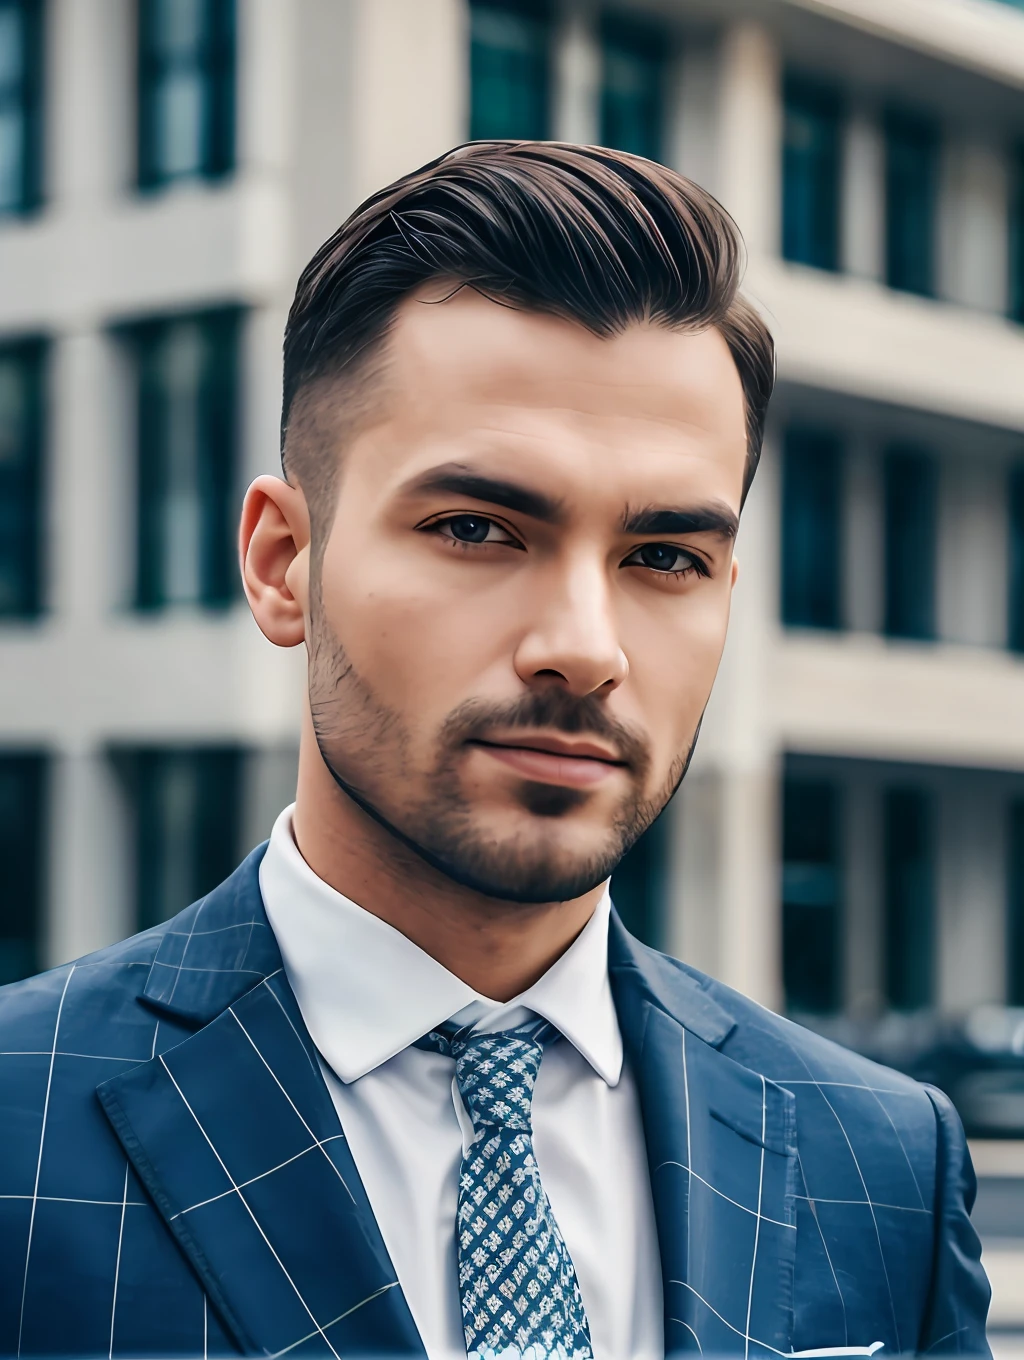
(498, 948)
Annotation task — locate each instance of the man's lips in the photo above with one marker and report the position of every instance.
(555, 760)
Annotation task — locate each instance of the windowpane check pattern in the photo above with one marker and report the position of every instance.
(22, 409)
(185, 804)
(812, 486)
(632, 95)
(810, 175)
(510, 70)
(186, 387)
(811, 902)
(186, 77)
(23, 857)
(911, 192)
(21, 101)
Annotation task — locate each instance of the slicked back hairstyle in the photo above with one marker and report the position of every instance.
(595, 236)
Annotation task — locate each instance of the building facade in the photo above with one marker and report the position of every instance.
(849, 843)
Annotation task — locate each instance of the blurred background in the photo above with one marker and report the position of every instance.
(849, 844)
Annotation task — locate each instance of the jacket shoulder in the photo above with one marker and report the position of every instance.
(93, 986)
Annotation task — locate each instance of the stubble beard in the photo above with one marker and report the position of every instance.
(365, 745)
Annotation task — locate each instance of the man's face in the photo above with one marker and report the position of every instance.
(525, 589)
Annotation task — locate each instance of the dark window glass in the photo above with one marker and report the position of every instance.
(908, 899)
(186, 807)
(186, 117)
(810, 175)
(21, 102)
(510, 71)
(911, 187)
(1016, 300)
(632, 65)
(21, 477)
(811, 530)
(23, 856)
(811, 896)
(1015, 506)
(639, 885)
(1015, 909)
(186, 372)
(910, 510)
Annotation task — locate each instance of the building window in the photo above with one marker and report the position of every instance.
(186, 810)
(21, 102)
(810, 175)
(186, 65)
(910, 532)
(639, 885)
(1015, 507)
(909, 908)
(186, 374)
(632, 70)
(23, 855)
(811, 530)
(510, 70)
(1015, 909)
(811, 896)
(911, 189)
(1016, 308)
(22, 409)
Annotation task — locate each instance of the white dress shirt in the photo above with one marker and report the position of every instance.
(366, 993)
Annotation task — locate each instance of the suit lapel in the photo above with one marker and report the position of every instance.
(722, 1157)
(236, 1138)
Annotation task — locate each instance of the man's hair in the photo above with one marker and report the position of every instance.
(595, 236)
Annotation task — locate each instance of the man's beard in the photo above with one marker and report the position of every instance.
(364, 746)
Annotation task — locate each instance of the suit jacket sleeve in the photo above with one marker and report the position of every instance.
(954, 1322)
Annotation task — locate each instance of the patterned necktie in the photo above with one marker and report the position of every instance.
(516, 1279)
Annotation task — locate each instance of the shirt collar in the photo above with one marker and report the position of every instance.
(366, 992)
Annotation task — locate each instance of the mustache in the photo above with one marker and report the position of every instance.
(552, 708)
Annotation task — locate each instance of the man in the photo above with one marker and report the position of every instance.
(404, 1084)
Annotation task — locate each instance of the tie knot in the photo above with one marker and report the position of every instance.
(496, 1073)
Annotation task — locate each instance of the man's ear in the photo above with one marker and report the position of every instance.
(273, 547)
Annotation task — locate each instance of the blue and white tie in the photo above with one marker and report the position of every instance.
(520, 1296)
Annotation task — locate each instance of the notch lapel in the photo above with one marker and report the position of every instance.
(235, 1136)
(721, 1147)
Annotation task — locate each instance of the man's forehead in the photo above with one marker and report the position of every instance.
(469, 350)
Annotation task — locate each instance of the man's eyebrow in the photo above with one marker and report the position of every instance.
(456, 479)
(715, 518)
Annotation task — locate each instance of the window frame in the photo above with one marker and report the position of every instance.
(907, 988)
(32, 839)
(29, 97)
(914, 139)
(536, 15)
(34, 353)
(220, 587)
(218, 65)
(903, 558)
(812, 98)
(822, 451)
(648, 44)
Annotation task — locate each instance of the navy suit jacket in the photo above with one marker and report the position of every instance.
(174, 1178)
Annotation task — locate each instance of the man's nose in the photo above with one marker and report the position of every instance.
(573, 637)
